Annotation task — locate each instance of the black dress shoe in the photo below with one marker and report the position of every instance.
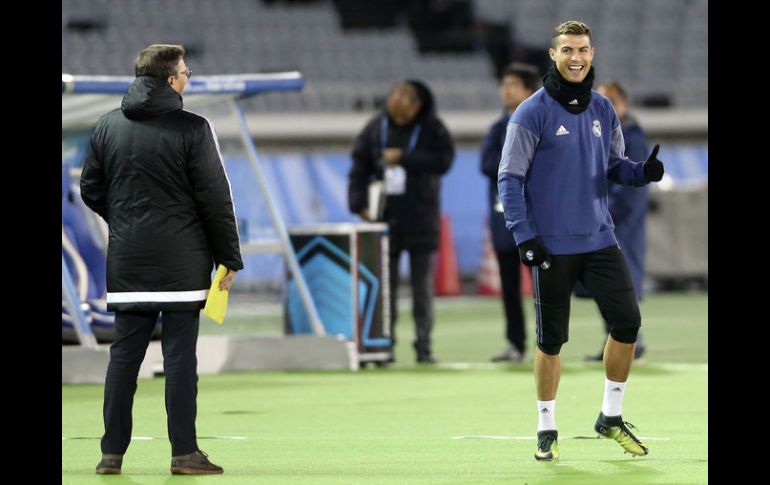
(195, 463)
(110, 465)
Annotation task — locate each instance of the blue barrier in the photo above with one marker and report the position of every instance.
(311, 188)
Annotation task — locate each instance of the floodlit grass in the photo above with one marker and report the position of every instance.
(404, 424)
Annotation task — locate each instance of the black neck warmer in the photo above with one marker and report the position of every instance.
(575, 97)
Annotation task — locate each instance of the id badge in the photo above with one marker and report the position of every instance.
(395, 180)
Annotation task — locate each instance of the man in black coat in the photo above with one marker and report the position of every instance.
(409, 148)
(155, 174)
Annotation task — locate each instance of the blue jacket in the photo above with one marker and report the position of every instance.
(628, 207)
(491, 148)
(554, 172)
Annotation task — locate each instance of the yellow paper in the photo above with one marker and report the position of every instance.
(216, 303)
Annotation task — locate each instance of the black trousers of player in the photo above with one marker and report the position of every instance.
(422, 295)
(510, 280)
(583, 293)
(178, 341)
(603, 272)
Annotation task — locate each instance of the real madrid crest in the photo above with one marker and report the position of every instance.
(597, 129)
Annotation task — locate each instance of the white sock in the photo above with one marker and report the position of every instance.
(613, 397)
(546, 415)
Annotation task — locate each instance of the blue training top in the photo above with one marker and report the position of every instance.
(554, 173)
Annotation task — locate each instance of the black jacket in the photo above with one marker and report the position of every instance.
(413, 217)
(154, 173)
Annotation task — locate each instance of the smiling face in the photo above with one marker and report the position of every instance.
(573, 55)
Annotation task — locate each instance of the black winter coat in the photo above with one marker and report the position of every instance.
(414, 217)
(154, 173)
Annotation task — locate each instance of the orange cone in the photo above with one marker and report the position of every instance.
(489, 272)
(446, 281)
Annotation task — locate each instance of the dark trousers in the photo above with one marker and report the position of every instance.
(510, 274)
(639, 341)
(422, 295)
(178, 341)
(581, 292)
(603, 272)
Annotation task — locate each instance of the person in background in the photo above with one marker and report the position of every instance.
(409, 148)
(517, 83)
(628, 207)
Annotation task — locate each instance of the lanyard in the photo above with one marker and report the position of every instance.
(384, 134)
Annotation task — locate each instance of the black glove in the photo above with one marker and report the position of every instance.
(532, 253)
(653, 168)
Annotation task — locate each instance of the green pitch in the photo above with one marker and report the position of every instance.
(453, 423)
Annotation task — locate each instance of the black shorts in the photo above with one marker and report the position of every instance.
(604, 273)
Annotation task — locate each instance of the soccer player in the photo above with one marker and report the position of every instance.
(563, 146)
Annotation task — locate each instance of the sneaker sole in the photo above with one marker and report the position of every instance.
(194, 471)
(108, 471)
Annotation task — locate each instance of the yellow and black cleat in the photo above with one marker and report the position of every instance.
(613, 427)
(547, 445)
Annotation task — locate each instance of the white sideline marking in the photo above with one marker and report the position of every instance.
(648, 438)
(468, 365)
(683, 366)
(503, 365)
(147, 438)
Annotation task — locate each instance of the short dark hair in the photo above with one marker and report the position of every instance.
(158, 60)
(528, 74)
(615, 86)
(571, 27)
